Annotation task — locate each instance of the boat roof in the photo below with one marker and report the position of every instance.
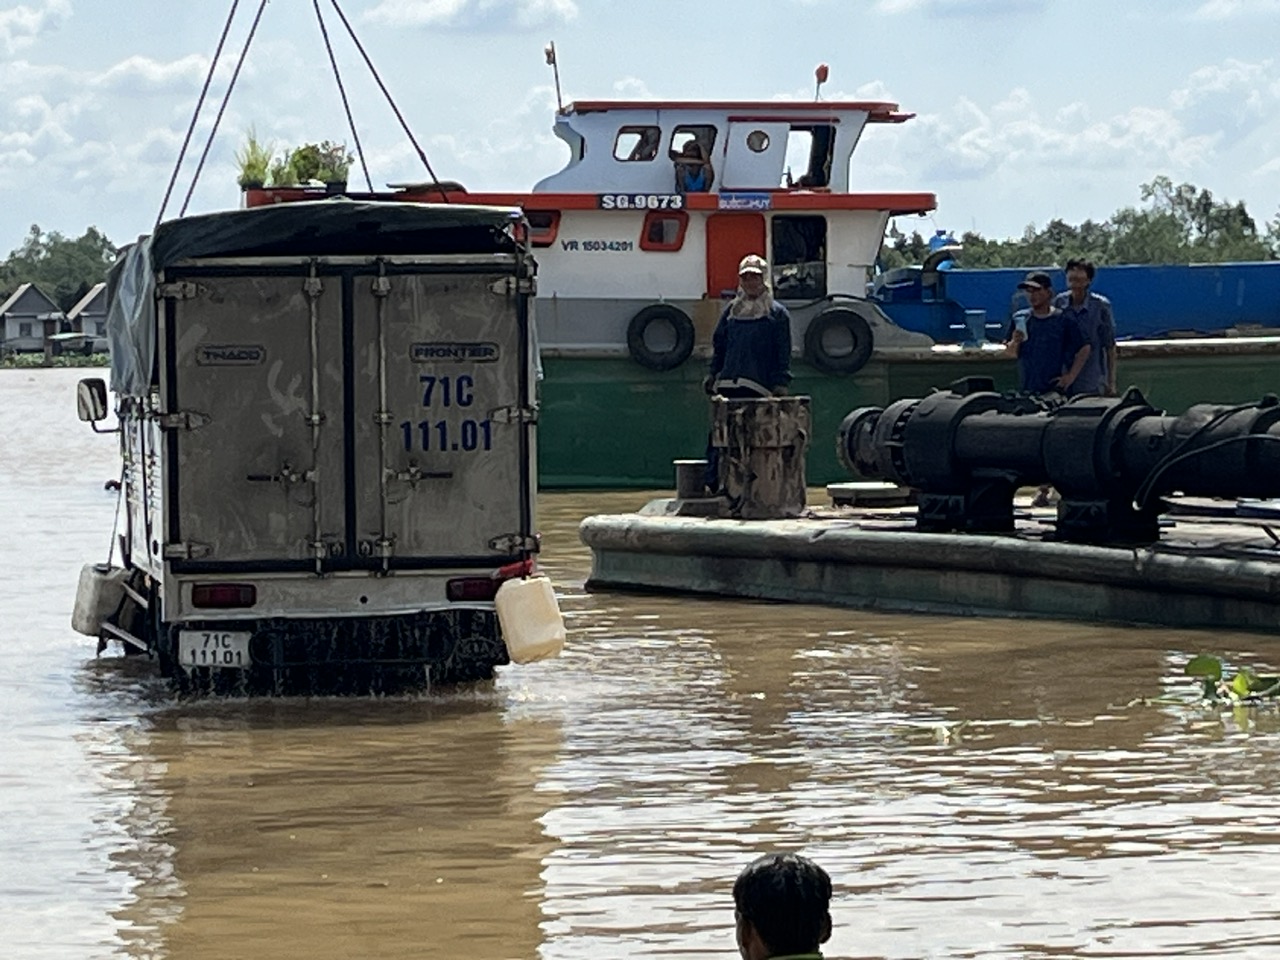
(878, 111)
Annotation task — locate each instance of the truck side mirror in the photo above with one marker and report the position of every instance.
(91, 400)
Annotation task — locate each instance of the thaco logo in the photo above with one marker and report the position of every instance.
(443, 350)
(229, 355)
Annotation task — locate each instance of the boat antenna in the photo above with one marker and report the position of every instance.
(555, 69)
(820, 74)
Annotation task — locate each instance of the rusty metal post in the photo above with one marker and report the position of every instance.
(762, 446)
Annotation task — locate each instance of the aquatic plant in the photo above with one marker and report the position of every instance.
(1244, 686)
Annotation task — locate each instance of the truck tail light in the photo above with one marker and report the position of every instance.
(486, 588)
(223, 596)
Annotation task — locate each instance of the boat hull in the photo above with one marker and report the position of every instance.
(608, 423)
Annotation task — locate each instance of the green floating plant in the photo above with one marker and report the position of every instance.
(1243, 686)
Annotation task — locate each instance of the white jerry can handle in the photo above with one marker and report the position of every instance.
(530, 619)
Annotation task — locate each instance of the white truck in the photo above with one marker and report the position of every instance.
(326, 415)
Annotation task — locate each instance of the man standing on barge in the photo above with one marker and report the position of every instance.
(1091, 312)
(751, 347)
(1051, 350)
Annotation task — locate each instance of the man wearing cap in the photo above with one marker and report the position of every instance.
(751, 346)
(1051, 349)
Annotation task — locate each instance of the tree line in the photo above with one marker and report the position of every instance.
(64, 268)
(1175, 224)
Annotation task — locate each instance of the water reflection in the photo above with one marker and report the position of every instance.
(322, 828)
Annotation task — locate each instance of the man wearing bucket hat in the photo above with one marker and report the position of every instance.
(750, 348)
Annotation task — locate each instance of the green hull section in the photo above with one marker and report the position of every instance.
(610, 423)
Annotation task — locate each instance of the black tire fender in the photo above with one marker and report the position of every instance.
(831, 320)
(638, 345)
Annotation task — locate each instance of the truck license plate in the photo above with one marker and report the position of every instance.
(228, 649)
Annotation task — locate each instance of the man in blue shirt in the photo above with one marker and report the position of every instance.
(1051, 350)
(1092, 314)
(750, 348)
(751, 345)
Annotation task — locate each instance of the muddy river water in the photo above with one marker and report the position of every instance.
(976, 788)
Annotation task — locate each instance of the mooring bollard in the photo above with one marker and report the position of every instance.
(691, 478)
(762, 445)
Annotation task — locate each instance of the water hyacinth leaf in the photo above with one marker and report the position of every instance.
(1268, 685)
(1204, 666)
(1240, 684)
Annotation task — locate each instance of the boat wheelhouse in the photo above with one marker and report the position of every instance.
(630, 265)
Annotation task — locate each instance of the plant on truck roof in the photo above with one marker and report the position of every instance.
(254, 158)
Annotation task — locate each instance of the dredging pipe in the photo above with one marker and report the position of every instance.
(966, 450)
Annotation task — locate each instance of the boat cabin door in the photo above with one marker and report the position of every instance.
(755, 152)
(730, 237)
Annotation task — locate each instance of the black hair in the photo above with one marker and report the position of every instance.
(787, 898)
(1079, 263)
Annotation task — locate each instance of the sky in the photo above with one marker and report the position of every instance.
(1026, 110)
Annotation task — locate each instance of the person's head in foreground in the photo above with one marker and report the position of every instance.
(782, 902)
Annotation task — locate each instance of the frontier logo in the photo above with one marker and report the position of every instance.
(458, 352)
(229, 355)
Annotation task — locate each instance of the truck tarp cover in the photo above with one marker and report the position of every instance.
(321, 228)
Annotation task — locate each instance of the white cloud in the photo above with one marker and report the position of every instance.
(959, 8)
(472, 14)
(139, 74)
(22, 25)
(1233, 98)
(1229, 9)
(632, 88)
(1213, 110)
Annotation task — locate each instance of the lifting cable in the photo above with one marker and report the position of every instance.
(231, 85)
(213, 64)
(244, 52)
(342, 91)
(383, 87)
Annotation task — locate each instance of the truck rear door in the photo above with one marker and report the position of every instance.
(348, 413)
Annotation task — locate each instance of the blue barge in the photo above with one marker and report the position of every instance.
(953, 305)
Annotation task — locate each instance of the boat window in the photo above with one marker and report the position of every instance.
(543, 227)
(799, 257)
(637, 143)
(809, 153)
(757, 141)
(664, 230)
(704, 134)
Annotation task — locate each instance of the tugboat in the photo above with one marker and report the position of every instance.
(638, 240)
